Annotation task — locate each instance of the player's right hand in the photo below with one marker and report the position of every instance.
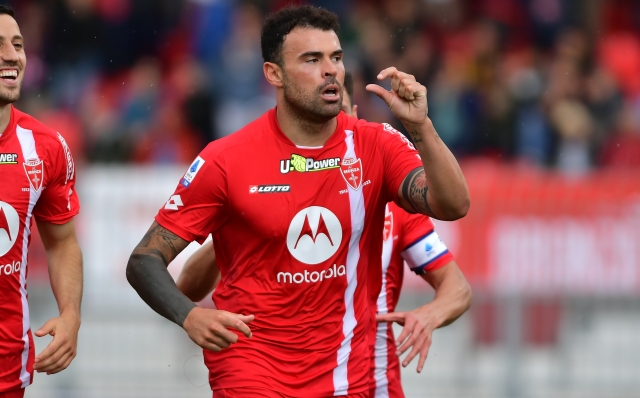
(210, 328)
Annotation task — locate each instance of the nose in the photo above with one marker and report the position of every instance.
(7, 52)
(329, 69)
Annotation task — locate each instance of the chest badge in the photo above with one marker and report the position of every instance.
(351, 170)
(388, 226)
(35, 172)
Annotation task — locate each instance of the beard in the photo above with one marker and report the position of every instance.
(309, 105)
(9, 96)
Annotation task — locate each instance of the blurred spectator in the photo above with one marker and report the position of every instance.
(552, 83)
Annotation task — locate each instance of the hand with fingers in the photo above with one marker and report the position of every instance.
(60, 352)
(210, 328)
(407, 98)
(416, 334)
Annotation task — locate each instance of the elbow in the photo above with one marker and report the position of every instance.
(456, 211)
(133, 267)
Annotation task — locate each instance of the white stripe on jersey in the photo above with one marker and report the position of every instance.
(28, 144)
(349, 322)
(381, 350)
(424, 251)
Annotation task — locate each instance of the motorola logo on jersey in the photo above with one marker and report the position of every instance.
(9, 227)
(314, 235)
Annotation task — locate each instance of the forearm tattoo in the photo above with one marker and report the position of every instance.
(147, 273)
(415, 136)
(414, 190)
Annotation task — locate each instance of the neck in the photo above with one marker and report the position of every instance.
(304, 132)
(5, 116)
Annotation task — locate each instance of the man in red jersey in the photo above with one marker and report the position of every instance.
(38, 177)
(405, 236)
(295, 203)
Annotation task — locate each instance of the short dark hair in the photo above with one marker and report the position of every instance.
(348, 86)
(279, 24)
(7, 10)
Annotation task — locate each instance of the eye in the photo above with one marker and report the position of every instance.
(18, 46)
(337, 58)
(312, 60)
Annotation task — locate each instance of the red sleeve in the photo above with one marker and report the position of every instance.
(59, 202)
(399, 157)
(198, 205)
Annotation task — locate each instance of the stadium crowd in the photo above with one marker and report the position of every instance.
(553, 83)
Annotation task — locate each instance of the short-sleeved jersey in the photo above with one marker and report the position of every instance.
(295, 231)
(37, 177)
(409, 238)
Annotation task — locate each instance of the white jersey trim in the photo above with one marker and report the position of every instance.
(424, 251)
(28, 144)
(349, 322)
(381, 348)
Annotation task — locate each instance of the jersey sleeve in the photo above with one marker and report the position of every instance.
(399, 158)
(59, 202)
(198, 205)
(422, 250)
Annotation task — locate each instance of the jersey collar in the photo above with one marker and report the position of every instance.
(336, 138)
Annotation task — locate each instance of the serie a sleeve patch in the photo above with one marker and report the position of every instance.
(424, 251)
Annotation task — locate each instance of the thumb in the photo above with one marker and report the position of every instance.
(380, 92)
(397, 317)
(48, 328)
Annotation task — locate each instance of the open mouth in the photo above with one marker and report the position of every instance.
(9, 75)
(331, 93)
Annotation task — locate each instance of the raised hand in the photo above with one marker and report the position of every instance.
(209, 328)
(407, 99)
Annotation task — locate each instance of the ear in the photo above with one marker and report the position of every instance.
(355, 111)
(273, 74)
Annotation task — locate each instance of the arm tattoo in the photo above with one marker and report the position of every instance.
(147, 273)
(414, 190)
(415, 136)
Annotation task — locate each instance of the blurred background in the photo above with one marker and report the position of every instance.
(538, 99)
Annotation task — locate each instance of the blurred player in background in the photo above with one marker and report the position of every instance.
(37, 178)
(409, 237)
(295, 203)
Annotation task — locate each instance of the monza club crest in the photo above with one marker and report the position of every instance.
(35, 172)
(351, 170)
(388, 226)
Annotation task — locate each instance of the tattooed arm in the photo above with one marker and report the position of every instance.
(438, 189)
(147, 273)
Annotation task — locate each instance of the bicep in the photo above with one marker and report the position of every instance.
(53, 235)
(160, 242)
(412, 193)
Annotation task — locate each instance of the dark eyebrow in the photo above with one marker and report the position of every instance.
(13, 38)
(319, 54)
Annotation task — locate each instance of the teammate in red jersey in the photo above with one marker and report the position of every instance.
(38, 177)
(406, 236)
(295, 203)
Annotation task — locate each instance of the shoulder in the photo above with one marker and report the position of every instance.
(47, 140)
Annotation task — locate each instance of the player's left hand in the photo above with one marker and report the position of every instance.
(62, 349)
(416, 334)
(407, 98)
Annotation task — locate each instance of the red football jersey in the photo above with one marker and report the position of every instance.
(411, 238)
(295, 231)
(37, 177)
